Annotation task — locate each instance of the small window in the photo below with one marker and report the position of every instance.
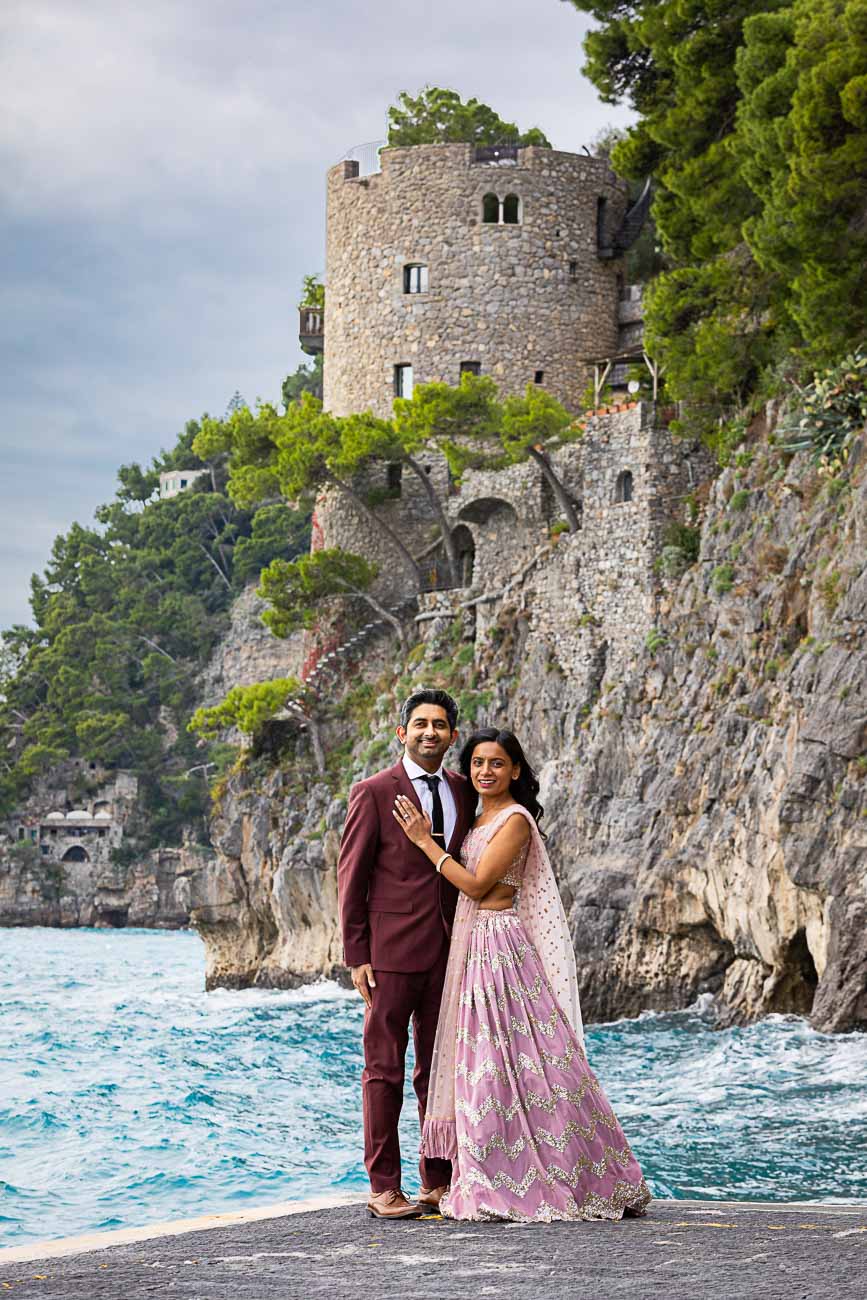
(491, 210)
(471, 367)
(44, 848)
(511, 210)
(573, 270)
(623, 488)
(183, 482)
(393, 476)
(539, 377)
(403, 381)
(415, 278)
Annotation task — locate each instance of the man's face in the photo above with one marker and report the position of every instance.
(427, 736)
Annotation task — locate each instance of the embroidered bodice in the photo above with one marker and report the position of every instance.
(514, 873)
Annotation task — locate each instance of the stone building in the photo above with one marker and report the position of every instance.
(454, 257)
(175, 481)
(86, 832)
(507, 262)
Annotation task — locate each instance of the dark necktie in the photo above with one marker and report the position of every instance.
(438, 831)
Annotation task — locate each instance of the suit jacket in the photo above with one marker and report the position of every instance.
(395, 909)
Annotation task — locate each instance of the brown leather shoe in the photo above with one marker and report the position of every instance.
(430, 1197)
(392, 1205)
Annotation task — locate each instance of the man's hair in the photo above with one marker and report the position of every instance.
(427, 695)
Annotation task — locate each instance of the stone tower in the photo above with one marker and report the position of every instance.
(502, 261)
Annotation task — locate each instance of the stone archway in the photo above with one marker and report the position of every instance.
(75, 854)
(499, 540)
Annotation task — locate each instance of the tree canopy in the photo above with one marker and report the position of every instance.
(438, 116)
(125, 615)
(752, 118)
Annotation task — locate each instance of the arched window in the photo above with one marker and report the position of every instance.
(511, 210)
(415, 279)
(491, 210)
(623, 488)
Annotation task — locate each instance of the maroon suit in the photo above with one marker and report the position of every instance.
(396, 914)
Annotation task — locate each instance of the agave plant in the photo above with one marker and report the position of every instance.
(833, 407)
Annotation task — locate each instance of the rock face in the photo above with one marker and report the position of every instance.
(248, 653)
(153, 893)
(266, 906)
(704, 770)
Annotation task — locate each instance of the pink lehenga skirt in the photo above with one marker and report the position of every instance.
(537, 1138)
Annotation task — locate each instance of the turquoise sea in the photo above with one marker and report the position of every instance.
(128, 1095)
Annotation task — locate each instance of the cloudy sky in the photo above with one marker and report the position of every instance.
(162, 194)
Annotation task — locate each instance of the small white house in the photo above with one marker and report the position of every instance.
(173, 481)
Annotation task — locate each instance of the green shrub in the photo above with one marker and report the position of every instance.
(739, 500)
(686, 538)
(655, 640)
(834, 408)
(672, 561)
(722, 579)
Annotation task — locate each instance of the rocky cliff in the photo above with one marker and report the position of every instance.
(153, 892)
(704, 788)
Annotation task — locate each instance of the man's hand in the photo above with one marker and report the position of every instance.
(363, 981)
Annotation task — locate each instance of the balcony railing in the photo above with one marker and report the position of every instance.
(311, 329)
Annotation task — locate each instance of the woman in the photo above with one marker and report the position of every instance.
(512, 1101)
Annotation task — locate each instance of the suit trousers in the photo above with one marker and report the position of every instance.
(398, 998)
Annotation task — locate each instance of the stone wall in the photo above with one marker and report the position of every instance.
(606, 578)
(340, 522)
(596, 594)
(518, 299)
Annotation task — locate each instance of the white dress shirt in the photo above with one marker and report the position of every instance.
(425, 795)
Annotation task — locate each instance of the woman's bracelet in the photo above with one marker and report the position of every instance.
(442, 860)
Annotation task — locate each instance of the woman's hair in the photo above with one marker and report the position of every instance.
(524, 787)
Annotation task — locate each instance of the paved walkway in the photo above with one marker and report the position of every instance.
(683, 1250)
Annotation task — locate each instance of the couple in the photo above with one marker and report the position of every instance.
(452, 918)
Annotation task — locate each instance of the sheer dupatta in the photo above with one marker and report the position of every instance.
(540, 909)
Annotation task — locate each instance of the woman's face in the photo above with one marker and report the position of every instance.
(491, 769)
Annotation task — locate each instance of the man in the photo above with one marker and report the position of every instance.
(395, 915)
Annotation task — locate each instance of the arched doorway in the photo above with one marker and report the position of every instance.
(499, 539)
(466, 549)
(75, 854)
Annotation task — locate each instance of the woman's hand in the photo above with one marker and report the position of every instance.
(416, 824)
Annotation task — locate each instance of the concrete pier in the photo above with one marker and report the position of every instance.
(683, 1250)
